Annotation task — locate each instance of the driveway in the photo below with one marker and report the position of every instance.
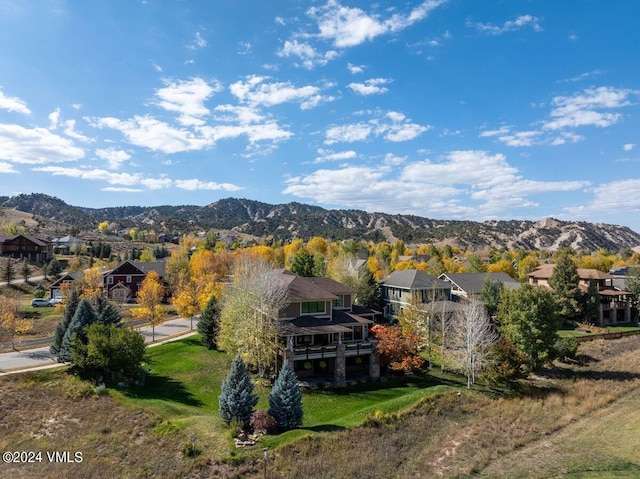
(17, 361)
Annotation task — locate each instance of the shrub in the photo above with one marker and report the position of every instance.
(262, 422)
(566, 348)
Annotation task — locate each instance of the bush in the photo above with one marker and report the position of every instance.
(262, 422)
(39, 291)
(566, 348)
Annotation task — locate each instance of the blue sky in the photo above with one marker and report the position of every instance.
(447, 109)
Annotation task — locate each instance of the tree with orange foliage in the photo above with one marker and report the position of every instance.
(150, 297)
(186, 301)
(502, 266)
(397, 350)
(10, 321)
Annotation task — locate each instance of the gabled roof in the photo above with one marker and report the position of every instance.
(472, 283)
(344, 317)
(37, 240)
(332, 286)
(545, 271)
(304, 289)
(414, 279)
(140, 268)
(66, 277)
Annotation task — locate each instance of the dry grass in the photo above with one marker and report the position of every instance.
(460, 436)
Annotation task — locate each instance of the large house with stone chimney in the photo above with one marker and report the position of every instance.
(615, 303)
(323, 333)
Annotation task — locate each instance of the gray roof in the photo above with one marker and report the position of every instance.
(472, 283)
(414, 279)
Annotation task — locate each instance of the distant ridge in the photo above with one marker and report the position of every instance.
(292, 220)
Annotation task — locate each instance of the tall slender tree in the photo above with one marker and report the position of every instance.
(285, 399)
(237, 398)
(63, 325)
(8, 275)
(209, 324)
(149, 298)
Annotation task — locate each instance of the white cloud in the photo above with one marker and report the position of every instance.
(510, 25)
(628, 146)
(348, 27)
(355, 69)
(156, 67)
(462, 184)
(309, 56)
(35, 146)
(503, 130)
(198, 42)
(128, 182)
(156, 135)
(54, 118)
(611, 198)
(392, 126)
(373, 86)
(113, 157)
(118, 189)
(330, 155)
(255, 91)
(7, 168)
(267, 131)
(582, 109)
(187, 98)
(12, 103)
(70, 131)
(194, 185)
(582, 76)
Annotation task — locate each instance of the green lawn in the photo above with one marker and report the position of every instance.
(184, 384)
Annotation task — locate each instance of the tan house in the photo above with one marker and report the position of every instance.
(323, 333)
(615, 304)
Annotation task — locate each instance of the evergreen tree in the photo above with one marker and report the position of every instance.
(53, 268)
(285, 399)
(107, 313)
(25, 270)
(564, 282)
(209, 324)
(63, 325)
(368, 293)
(591, 303)
(83, 317)
(303, 264)
(237, 398)
(8, 274)
(633, 285)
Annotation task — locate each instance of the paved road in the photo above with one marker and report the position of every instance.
(38, 357)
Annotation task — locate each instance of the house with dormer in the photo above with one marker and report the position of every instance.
(323, 333)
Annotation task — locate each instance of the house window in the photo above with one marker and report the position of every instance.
(313, 307)
(128, 279)
(338, 302)
(109, 279)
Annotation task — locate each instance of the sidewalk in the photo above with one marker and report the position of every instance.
(41, 358)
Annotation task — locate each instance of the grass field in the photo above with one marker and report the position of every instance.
(574, 420)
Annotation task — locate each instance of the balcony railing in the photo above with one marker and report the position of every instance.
(352, 348)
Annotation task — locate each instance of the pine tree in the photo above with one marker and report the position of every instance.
(63, 325)
(285, 399)
(368, 290)
(303, 264)
(83, 317)
(209, 324)
(237, 399)
(8, 275)
(107, 313)
(564, 281)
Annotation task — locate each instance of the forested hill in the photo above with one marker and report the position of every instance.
(292, 220)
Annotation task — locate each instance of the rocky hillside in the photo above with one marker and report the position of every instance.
(292, 220)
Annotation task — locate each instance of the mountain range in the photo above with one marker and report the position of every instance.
(292, 220)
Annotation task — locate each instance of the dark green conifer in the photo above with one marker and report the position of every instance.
(209, 324)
